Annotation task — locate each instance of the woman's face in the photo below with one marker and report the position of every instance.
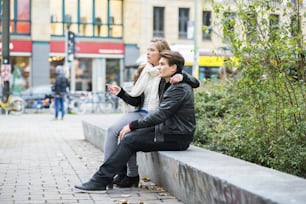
(153, 54)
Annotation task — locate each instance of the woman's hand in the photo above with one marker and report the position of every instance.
(176, 78)
(113, 89)
(125, 130)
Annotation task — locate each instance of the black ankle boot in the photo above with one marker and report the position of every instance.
(118, 178)
(127, 182)
(94, 186)
(121, 175)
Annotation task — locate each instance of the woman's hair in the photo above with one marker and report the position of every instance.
(160, 44)
(174, 57)
(138, 72)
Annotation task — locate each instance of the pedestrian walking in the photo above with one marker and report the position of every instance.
(60, 92)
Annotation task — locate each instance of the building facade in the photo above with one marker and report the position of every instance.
(108, 36)
(175, 20)
(39, 42)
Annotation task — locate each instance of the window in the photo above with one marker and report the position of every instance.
(71, 15)
(113, 71)
(228, 24)
(251, 25)
(273, 25)
(275, 3)
(115, 19)
(20, 17)
(158, 22)
(85, 23)
(296, 2)
(87, 18)
(206, 21)
(295, 25)
(83, 74)
(183, 22)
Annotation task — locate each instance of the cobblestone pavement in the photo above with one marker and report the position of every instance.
(41, 160)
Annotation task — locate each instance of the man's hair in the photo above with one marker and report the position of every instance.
(59, 69)
(160, 44)
(173, 58)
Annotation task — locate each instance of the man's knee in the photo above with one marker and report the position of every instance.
(132, 141)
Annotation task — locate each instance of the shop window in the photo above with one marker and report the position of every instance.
(20, 74)
(113, 71)
(83, 73)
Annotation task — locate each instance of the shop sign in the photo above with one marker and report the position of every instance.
(19, 46)
(89, 47)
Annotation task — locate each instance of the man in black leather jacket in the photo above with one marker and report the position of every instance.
(170, 127)
(138, 101)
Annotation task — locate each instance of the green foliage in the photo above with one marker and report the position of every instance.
(249, 127)
(261, 117)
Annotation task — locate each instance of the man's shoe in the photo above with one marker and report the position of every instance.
(128, 182)
(93, 187)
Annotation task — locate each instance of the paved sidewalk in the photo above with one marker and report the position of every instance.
(41, 160)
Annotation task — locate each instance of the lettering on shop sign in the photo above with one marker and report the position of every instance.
(11, 46)
(110, 51)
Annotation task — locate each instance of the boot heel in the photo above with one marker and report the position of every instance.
(110, 185)
(135, 185)
(129, 182)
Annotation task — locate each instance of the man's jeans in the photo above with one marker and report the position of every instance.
(59, 104)
(139, 140)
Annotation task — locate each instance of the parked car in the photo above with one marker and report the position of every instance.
(38, 96)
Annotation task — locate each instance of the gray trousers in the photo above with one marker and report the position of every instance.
(112, 140)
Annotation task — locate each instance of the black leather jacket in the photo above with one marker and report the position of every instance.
(138, 101)
(174, 119)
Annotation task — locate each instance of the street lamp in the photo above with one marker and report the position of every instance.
(5, 66)
(195, 39)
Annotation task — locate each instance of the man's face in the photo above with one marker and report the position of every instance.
(166, 71)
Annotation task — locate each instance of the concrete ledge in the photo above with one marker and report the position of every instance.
(202, 176)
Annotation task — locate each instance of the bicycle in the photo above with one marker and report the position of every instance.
(14, 104)
(97, 102)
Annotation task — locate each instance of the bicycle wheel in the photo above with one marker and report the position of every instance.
(17, 107)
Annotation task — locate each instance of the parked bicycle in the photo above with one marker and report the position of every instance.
(97, 102)
(14, 104)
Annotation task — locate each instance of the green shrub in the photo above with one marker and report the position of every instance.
(261, 117)
(230, 122)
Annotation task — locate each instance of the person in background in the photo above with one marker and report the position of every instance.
(169, 128)
(60, 91)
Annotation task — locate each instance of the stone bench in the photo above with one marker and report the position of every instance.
(202, 176)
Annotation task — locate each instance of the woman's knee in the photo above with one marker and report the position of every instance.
(112, 132)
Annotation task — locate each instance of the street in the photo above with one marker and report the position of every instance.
(42, 159)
